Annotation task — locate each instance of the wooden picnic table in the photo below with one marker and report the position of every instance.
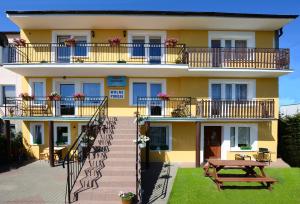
(213, 167)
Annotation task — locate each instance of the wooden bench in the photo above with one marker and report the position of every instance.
(269, 181)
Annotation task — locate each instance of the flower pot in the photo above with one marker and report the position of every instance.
(142, 145)
(127, 201)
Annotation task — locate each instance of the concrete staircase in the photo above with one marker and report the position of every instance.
(110, 167)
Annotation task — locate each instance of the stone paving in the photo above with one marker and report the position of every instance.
(34, 183)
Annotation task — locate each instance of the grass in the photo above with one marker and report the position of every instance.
(191, 187)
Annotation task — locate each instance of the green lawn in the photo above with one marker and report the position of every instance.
(191, 187)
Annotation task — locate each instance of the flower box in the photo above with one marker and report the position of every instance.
(70, 42)
(171, 42)
(163, 96)
(79, 97)
(114, 42)
(19, 42)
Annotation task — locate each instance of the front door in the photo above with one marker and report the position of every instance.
(67, 105)
(212, 142)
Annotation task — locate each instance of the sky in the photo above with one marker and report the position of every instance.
(289, 88)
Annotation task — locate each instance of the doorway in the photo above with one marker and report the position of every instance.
(212, 142)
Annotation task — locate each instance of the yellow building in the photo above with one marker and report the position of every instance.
(217, 72)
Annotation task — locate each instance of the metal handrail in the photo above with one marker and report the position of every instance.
(86, 138)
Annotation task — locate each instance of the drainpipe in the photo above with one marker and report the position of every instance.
(1, 55)
(278, 34)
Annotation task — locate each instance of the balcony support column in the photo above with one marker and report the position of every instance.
(198, 143)
(147, 127)
(51, 143)
(8, 142)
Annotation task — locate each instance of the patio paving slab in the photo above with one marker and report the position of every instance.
(35, 182)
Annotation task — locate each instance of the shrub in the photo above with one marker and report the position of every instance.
(289, 139)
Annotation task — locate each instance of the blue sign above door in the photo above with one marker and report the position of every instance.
(113, 81)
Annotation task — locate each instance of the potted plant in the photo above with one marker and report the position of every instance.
(126, 197)
(142, 141)
(11, 111)
(26, 97)
(163, 96)
(246, 147)
(54, 96)
(19, 42)
(79, 97)
(121, 61)
(70, 42)
(171, 42)
(114, 42)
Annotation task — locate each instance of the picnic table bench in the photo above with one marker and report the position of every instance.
(212, 168)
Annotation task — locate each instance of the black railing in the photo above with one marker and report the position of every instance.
(236, 109)
(80, 150)
(95, 53)
(45, 107)
(166, 107)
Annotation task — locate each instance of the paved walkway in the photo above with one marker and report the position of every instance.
(157, 182)
(33, 183)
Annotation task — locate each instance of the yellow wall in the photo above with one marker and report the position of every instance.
(196, 38)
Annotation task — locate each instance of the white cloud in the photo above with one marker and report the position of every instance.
(287, 101)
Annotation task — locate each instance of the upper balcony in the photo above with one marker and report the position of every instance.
(187, 60)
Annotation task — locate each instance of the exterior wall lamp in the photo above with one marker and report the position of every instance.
(93, 33)
(124, 33)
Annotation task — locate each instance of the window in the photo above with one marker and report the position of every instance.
(92, 91)
(38, 90)
(61, 134)
(159, 138)
(80, 48)
(243, 136)
(232, 89)
(147, 88)
(8, 91)
(147, 44)
(37, 133)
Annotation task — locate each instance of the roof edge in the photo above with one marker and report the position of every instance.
(140, 12)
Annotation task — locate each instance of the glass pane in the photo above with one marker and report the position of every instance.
(62, 135)
(91, 89)
(241, 91)
(38, 90)
(241, 43)
(228, 91)
(67, 105)
(63, 52)
(155, 89)
(216, 43)
(138, 48)
(216, 91)
(8, 91)
(139, 90)
(37, 134)
(158, 138)
(243, 136)
(80, 48)
(228, 44)
(67, 90)
(155, 49)
(232, 136)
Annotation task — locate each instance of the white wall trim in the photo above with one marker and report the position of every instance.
(147, 34)
(225, 137)
(148, 81)
(68, 125)
(170, 133)
(232, 35)
(251, 88)
(32, 129)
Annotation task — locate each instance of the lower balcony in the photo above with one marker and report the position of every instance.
(68, 107)
(187, 107)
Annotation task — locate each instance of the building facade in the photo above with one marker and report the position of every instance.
(205, 85)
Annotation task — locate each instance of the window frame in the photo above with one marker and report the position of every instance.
(56, 125)
(72, 33)
(146, 34)
(148, 82)
(31, 87)
(253, 136)
(251, 87)
(169, 132)
(231, 35)
(32, 125)
(2, 102)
